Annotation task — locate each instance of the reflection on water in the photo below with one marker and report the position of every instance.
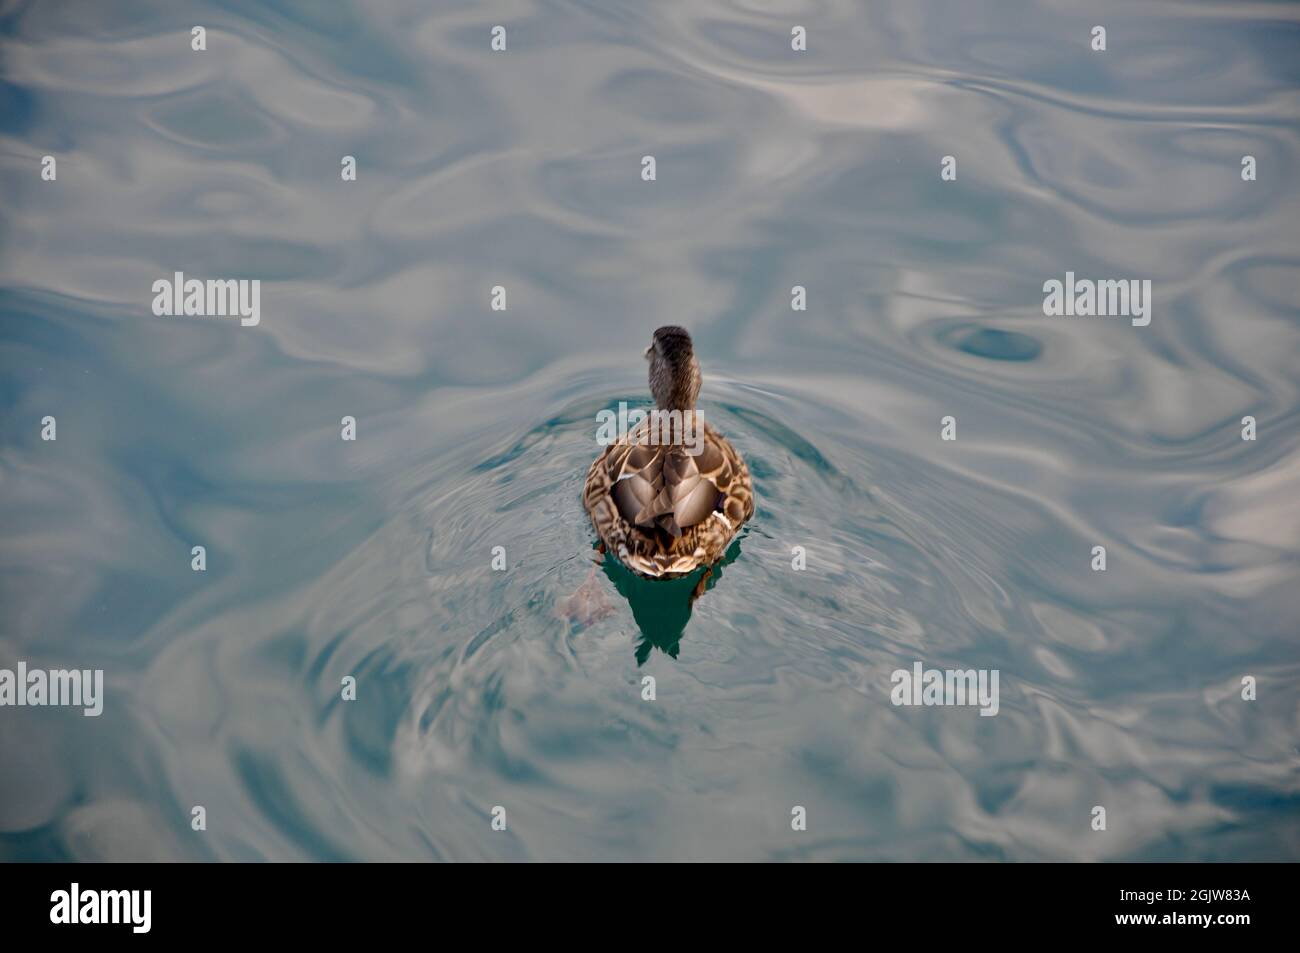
(373, 558)
(662, 607)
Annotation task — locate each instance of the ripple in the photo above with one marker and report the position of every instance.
(992, 343)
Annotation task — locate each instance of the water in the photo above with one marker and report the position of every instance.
(372, 558)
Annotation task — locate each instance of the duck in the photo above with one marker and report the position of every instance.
(669, 496)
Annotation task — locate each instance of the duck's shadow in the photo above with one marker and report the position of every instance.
(662, 607)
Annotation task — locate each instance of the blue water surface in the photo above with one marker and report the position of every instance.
(479, 689)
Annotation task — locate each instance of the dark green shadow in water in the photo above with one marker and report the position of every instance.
(662, 607)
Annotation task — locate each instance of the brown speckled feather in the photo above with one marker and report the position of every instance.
(664, 512)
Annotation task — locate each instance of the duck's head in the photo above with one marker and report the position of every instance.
(674, 371)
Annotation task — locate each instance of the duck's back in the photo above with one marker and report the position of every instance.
(663, 511)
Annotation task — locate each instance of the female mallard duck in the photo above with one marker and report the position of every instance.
(669, 496)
